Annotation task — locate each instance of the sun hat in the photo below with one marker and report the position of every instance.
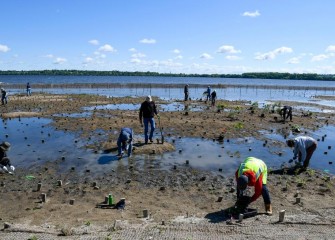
(4, 146)
(149, 98)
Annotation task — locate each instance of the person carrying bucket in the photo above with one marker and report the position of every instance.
(253, 172)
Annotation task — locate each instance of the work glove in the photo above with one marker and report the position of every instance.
(158, 116)
(12, 168)
(5, 168)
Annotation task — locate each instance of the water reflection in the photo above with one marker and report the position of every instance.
(35, 142)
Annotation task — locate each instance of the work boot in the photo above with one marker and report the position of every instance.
(268, 209)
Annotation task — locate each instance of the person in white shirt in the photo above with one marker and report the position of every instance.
(303, 148)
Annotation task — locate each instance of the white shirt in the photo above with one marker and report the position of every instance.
(301, 144)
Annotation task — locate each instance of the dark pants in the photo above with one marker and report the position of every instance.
(266, 194)
(309, 154)
(186, 96)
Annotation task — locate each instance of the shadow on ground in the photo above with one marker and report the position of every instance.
(295, 170)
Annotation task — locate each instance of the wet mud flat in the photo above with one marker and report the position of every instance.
(179, 197)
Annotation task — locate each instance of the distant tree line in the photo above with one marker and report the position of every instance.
(260, 75)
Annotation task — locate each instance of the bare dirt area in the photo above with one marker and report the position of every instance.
(182, 202)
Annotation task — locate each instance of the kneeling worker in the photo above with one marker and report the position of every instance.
(125, 141)
(253, 172)
(4, 160)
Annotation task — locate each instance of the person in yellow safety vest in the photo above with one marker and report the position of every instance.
(253, 172)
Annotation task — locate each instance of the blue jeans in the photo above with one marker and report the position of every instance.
(28, 91)
(123, 146)
(4, 100)
(266, 194)
(146, 128)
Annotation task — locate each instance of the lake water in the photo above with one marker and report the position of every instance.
(237, 89)
(33, 140)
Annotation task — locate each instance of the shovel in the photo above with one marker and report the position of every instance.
(161, 129)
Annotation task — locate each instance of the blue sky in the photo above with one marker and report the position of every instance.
(178, 36)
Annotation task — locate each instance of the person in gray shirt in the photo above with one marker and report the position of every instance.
(303, 148)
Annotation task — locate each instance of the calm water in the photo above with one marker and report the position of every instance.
(162, 80)
(34, 141)
(252, 90)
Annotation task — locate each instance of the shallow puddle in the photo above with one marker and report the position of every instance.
(35, 142)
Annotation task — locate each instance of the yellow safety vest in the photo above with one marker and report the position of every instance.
(256, 165)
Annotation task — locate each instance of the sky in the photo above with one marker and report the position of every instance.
(169, 36)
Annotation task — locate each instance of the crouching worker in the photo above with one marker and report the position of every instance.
(125, 141)
(5, 165)
(253, 172)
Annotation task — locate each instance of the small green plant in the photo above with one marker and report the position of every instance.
(254, 105)
(33, 238)
(88, 223)
(239, 126)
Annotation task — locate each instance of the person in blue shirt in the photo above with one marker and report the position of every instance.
(125, 141)
(28, 89)
(208, 94)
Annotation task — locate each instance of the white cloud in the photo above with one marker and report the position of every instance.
(330, 48)
(4, 48)
(49, 56)
(132, 50)
(179, 57)
(319, 58)
(60, 60)
(294, 60)
(135, 60)
(88, 60)
(94, 42)
(272, 55)
(206, 56)
(148, 41)
(232, 57)
(138, 55)
(107, 48)
(251, 14)
(176, 51)
(227, 49)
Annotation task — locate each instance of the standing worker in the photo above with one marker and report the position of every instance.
(3, 96)
(147, 112)
(186, 93)
(253, 172)
(125, 141)
(28, 89)
(4, 160)
(304, 148)
(208, 91)
(213, 96)
(286, 112)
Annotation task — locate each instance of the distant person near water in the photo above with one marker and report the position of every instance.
(186, 92)
(213, 96)
(3, 96)
(147, 112)
(208, 92)
(286, 112)
(28, 89)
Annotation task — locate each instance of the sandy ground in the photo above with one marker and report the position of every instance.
(182, 203)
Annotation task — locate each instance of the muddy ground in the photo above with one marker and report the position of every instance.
(182, 202)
